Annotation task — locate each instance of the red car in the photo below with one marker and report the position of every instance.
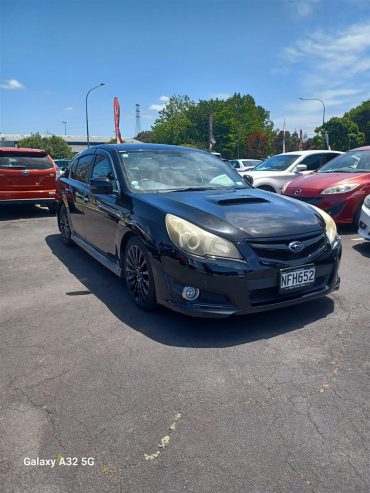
(339, 187)
(27, 176)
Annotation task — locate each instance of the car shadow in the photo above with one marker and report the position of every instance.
(363, 248)
(13, 212)
(346, 230)
(174, 329)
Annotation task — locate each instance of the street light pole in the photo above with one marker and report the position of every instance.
(323, 115)
(87, 118)
(65, 127)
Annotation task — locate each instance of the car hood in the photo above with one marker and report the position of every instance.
(265, 174)
(240, 213)
(320, 181)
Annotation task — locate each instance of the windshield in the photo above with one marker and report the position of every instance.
(25, 160)
(351, 162)
(277, 163)
(167, 170)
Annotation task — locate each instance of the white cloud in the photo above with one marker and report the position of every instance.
(11, 84)
(302, 8)
(159, 107)
(68, 108)
(347, 51)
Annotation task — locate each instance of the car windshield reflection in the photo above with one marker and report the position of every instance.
(165, 171)
(351, 162)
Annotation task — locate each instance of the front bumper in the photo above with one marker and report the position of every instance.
(237, 288)
(364, 229)
(342, 207)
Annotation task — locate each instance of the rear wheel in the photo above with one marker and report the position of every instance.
(64, 226)
(267, 188)
(138, 274)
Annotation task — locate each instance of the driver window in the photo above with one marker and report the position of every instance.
(103, 169)
(312, 162)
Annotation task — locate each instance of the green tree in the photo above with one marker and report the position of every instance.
(343, 134)
(184, 121)
(291, 142)
(145, 136)
(55, 146)
(258, 144)
(361, 116)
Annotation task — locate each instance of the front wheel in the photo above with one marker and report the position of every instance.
(266, 188)
(64, 226)
(138, 274)
(52, 209)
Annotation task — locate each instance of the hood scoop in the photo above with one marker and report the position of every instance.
(242, 201)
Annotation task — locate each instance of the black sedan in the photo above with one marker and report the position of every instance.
(185, 230)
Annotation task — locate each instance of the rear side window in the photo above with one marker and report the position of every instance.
(329, 156)
(25, 160)
(313, 162)
(81, 170)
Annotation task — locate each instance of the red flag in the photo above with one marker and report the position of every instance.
(116, 120)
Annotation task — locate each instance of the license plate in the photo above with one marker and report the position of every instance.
(297, 277)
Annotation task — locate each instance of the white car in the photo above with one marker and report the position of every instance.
(364, 228)
(275, 173)
(241, 165)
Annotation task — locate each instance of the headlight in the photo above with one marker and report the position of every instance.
(331, 228)
(341, 188)
(195, 240)
(367, 202)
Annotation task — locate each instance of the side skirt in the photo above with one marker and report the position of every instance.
(109, 264)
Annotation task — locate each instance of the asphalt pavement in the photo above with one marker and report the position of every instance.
(273, 402)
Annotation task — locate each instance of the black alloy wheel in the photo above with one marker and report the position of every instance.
(138, 274)
(64, 226)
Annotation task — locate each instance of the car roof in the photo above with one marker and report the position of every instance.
(302, 153)
(147, 147)
(20, 149)
(364, 148)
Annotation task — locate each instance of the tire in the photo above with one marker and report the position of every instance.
(52, 209)
(266, 188)
(356, 219)
(64, 226)
(138, 275)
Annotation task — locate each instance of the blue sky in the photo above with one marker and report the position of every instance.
(53, 52)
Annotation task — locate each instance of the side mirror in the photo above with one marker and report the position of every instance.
(101, 185)
(300, 167)
(248, 179)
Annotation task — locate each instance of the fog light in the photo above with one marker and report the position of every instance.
(362, 225)
(189, 293)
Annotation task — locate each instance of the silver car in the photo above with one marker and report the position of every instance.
(276, 172)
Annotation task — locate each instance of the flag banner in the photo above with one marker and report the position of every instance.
(116, 110)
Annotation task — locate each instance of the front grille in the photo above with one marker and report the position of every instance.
(268, 296)
(279, 250)
(309, 200)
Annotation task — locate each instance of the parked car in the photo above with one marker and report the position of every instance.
(364, 224)
(185, 231)
(27, 176)
(274, 173)
(339, 187)
(244, 164)
(62, 164)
